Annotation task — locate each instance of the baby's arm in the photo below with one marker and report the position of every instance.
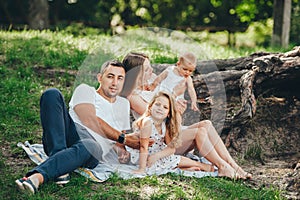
(158, 80)
(145, 133)
(192, 93)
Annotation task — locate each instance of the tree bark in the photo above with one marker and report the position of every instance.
(282, 21)
(244, 79)
(38, 14)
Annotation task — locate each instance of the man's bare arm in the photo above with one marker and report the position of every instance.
(87, 115)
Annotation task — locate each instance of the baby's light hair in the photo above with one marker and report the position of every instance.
(189, 58)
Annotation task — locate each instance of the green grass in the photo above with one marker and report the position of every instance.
(31, 61)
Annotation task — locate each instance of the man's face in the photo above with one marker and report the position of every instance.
(111, 81)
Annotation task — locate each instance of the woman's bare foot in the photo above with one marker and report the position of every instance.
(243, 174)
(227, 171)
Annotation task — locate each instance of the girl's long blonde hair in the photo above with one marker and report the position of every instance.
(173, 119)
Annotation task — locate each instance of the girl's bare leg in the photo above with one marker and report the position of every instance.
(220, 147)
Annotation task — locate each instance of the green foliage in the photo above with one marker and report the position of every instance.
(114, 14)
(254, 10)
(260, 32)
(26, 70)
(79, 29)
(295, 21)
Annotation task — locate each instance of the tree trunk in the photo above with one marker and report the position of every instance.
(38, 14)
(282, 20)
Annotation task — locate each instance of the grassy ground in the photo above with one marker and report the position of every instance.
(32, 61)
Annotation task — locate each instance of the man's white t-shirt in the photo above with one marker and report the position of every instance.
(116, 114)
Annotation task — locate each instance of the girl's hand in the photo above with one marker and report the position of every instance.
(151, 160)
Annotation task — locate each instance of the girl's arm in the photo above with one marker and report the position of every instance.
(192, 93)
(145, 132)
(169, 150)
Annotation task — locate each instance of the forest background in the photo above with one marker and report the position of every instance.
(66, 32)
(116, 16)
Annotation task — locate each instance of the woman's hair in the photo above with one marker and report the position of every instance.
(133, 65)
(172, 120)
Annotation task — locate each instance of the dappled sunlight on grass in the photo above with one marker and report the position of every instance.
(32, 61)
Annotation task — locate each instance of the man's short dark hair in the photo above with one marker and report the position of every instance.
(114, 63)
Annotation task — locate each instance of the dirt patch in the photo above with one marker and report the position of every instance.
(270, 145)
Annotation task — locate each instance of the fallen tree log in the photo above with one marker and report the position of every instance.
(243, 80)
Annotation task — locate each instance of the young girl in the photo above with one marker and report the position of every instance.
(161, 122)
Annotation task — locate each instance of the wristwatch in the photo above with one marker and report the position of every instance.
(121, 138)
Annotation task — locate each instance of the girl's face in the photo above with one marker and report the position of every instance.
(147, 70)
(160, 108)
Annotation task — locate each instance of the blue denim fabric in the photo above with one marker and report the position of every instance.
(61, 141)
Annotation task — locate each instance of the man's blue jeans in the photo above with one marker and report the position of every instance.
(62, 142)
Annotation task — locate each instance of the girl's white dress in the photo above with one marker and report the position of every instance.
(163, 164)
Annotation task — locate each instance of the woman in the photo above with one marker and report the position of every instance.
(201, 135)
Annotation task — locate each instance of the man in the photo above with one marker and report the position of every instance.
(85, 135)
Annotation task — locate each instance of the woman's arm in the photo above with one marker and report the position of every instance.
(158, 80)
(137, 103)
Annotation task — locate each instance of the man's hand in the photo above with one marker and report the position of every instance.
(132, 140)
